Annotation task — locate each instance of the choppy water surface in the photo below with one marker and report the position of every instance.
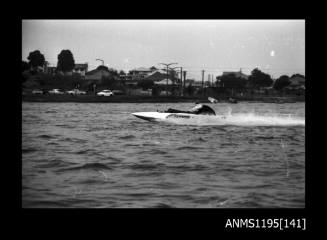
(99, 155)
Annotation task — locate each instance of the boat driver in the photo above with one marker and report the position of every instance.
(197, 109)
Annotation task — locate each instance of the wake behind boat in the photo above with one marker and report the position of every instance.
(201, 116)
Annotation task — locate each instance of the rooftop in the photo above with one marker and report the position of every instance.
(142, 69)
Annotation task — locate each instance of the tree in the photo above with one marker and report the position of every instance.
(297, 75)
(121, 72)
(111, 80)
(282, 82)
(259, 79)
(108, 82)
(113, 72)
(66, 61)
(36, 59)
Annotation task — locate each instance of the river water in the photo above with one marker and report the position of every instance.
(99, 155)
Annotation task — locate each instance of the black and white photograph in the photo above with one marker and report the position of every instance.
(163, 113)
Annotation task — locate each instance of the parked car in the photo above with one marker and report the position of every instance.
(164, 93)
(106, 93)
(118, 92)
(55, 91)
(37, 91)
(80, 92)
(76, 92)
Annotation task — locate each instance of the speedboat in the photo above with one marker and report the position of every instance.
(171, 114)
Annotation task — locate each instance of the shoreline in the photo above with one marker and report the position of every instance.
(156, 99)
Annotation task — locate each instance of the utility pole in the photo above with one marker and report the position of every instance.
(167, 65)
(184, 79)
(202, 82)
(94, 88)
(181, 81)
(101, 70)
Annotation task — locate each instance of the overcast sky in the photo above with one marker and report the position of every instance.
(275, 46)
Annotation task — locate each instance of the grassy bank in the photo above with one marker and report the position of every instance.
(147, 99)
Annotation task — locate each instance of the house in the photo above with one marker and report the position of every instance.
(139, 92)
(160, 75)
(156, 76)
(38, 69)
(264, 90)
(164, 82)
(81, 68)
(193, 83)
(238, 74)
(131, 83)
(96, 74)
(151, 74)
(123, 76)
(50, 70)
(140, 73)
(297, 82)
(134, 75)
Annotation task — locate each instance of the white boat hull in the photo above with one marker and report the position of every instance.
(158, 116)
(169, 117)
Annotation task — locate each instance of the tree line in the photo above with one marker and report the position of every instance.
(256, 80)
(36, 59)
(66, 63)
